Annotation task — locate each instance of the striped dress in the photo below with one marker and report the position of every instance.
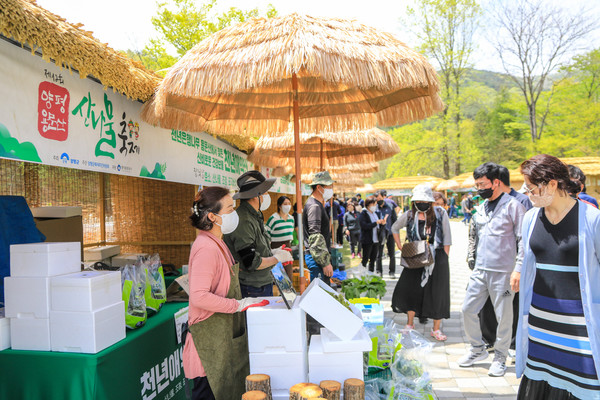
(559, 352)
(280, 230)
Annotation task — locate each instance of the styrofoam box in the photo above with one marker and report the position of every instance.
(282, 394)
(56, 212)
(333, 344)
(122, 260)
(334, 366)
(4, 331)
(85, 291)
(100, 253)
(45, 259)
(275, 328)
(30, 334)
(26, 297)
(285, 369)
(87, 332)
(318, 303)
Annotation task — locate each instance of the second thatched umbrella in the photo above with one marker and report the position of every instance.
(266, 76)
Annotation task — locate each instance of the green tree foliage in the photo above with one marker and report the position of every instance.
(182, 24)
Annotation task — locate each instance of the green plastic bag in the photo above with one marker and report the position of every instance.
(133, 283)
(156, 290)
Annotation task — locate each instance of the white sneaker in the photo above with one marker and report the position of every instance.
(472, 357)
(498, 368)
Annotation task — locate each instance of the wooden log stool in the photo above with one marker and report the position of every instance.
(354, 389)
(297, 388)
(331, 389)
(311, 392)
(254, 395)
(260, 382)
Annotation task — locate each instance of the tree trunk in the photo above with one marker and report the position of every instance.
(457, 123)
(261, 382)
(254, 395)
(311, 392)
(297, 389)
(354, 389)
(331, 389)
(532, 122)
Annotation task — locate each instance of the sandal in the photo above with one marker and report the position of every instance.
(409, 327)
(438, 335)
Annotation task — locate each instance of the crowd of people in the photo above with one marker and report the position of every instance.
(543, 243)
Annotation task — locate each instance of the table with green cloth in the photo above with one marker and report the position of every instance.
(146, 365)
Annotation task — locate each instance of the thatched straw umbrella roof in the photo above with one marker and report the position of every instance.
(407, 182)
(361, 170)
(349, 77)
(318, 150)
(449, 184)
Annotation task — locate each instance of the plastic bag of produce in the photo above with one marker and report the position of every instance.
(156, 290)
(386, 341)
(133, 284)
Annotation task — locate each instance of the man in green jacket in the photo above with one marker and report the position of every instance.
(249, 243)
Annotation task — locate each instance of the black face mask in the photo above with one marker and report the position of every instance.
(486, 193)
(380, 202)
(422, 206)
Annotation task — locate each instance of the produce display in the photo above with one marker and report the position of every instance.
(365, 286)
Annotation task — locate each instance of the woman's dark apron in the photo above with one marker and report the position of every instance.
(221, 341)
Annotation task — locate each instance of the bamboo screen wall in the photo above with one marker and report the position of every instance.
(141, 215)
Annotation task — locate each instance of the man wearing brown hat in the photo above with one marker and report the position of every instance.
(317, 234)
(249, 243)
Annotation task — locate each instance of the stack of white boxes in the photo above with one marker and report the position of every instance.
(103, 254)
(277, 340)
(278, 345)
(52, 305)
(27, 290)
(87, 312)
(4, 331)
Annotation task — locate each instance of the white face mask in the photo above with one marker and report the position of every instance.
(327, 194)
(286, 208)
(358, 208)
(266, 202)
(372, 208)
(541, 200)
(229, 222)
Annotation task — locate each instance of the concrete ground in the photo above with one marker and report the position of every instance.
(449, 380)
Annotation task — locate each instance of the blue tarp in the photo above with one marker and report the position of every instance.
(16, 227)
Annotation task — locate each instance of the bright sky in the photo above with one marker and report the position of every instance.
(125, 24)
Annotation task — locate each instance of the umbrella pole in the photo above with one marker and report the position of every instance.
(299, 206)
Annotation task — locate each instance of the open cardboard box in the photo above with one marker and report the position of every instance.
(317, 302)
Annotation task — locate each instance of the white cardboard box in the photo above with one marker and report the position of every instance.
(334, 366)
(87, 332)
(122, 260)
(30, 334)
(332, 344)
(318, 303)
(45, 258)
(285, 369)
(85, 291)
(100, 253)
(4, 331)
(26, 297)
(280, 394)
(56, 212)
(275, 328)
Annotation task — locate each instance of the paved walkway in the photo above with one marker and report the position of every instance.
(449, 380)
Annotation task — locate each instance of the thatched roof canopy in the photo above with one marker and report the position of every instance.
(407, 182)
(70, 46)
(350, 77)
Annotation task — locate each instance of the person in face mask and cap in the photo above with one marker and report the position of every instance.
(317, 234)
(495, 248)
(249, 243)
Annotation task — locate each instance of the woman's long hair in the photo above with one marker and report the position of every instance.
(430, 214)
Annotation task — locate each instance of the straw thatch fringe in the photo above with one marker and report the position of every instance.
(68, 46)
(338, 119)
(407, 182)
(260, 52)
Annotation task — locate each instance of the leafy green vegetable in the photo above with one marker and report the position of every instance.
(369, 286)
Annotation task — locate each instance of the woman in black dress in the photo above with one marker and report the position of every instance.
(424, 292)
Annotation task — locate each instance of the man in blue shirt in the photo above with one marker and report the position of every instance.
(577, 174)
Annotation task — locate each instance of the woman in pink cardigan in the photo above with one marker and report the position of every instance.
(215, 353)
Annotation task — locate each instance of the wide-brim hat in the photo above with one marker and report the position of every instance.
(322, 178)
(422, 192)
(252, 184)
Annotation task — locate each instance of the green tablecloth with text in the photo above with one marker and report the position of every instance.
(146, 365)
